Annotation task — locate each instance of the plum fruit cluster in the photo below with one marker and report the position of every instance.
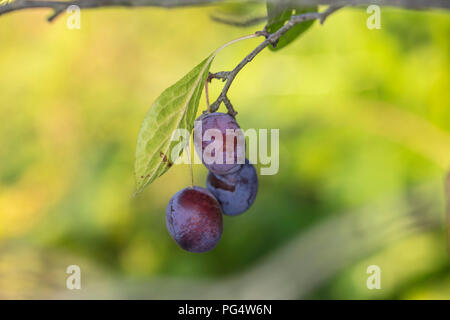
(194, 214)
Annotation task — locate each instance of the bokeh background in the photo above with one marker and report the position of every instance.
(364, 119)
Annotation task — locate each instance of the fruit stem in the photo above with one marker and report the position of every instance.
(208, 106)
(190, 163)
(250, 36)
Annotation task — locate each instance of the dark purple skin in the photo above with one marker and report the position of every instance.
(235, 192)
(222, 122)
(194, 219)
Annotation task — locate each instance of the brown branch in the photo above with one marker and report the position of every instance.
(59, 6)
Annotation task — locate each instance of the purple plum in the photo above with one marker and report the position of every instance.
(219, 142)
(235, 192)
(194, 219)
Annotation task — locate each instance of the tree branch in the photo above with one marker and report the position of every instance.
(271, 39)
(60, 6)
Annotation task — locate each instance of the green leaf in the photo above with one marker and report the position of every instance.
(175, 108)
(279, 13)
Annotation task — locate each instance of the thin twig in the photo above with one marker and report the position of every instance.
(271, 39)
(208, 106)
(222, 75)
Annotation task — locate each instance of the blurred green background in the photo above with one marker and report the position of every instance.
(364, 119)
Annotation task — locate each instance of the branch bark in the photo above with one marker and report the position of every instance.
(59, 6)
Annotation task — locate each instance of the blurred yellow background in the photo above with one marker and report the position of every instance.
(364, 119)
